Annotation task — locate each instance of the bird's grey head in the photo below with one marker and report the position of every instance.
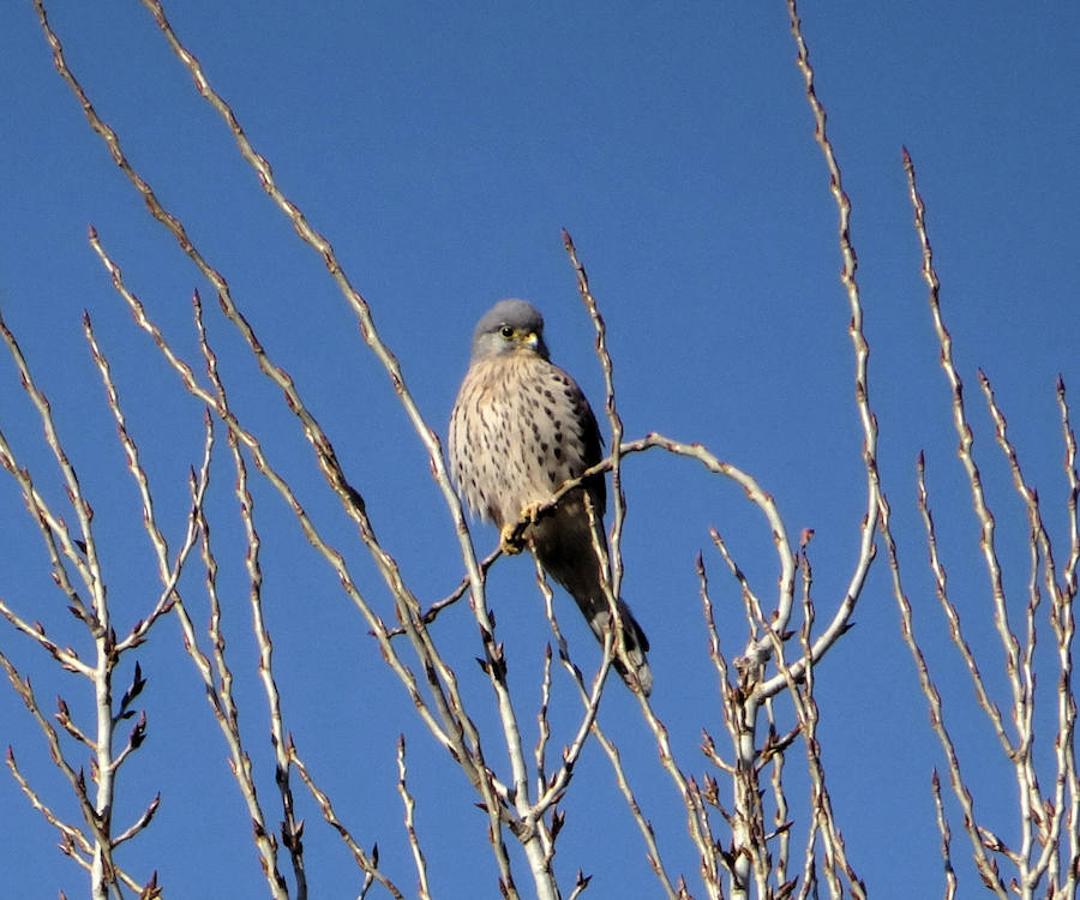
(510, 326)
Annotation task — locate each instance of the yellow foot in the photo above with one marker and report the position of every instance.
(531, 512)
(511, 539)
(512, 536)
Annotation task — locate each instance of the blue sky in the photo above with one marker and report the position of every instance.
(441, 148)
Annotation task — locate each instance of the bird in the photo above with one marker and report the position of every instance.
(519, 429)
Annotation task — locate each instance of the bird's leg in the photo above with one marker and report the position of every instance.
(512, 536)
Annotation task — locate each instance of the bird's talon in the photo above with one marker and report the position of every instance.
(512, 537)
(531, 512)
(511, 540)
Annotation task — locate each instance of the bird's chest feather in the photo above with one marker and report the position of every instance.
(518, 434)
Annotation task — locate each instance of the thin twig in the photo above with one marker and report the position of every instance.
(606, 744)
(946, 837)
(1067, 634)
(987, 867)
(168, 573)
(1009, 642)
(410, 823)
(369, 864)
(848, 279)
(102, 868)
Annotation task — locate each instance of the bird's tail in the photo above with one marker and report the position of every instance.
(563, 545)
(636, 645)
(598, 614)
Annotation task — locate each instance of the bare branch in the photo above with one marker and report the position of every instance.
(608, 746)
(101, 848)
(410, 825)
(858, 339)
(369, 864)
(142, 822)
(1009, 642)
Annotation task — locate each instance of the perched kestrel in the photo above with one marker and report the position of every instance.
(520, 428)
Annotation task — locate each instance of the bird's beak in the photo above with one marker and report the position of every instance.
(531, 340)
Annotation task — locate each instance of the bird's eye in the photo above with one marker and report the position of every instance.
(506, 331)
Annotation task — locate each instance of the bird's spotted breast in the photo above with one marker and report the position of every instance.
(520, 428)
